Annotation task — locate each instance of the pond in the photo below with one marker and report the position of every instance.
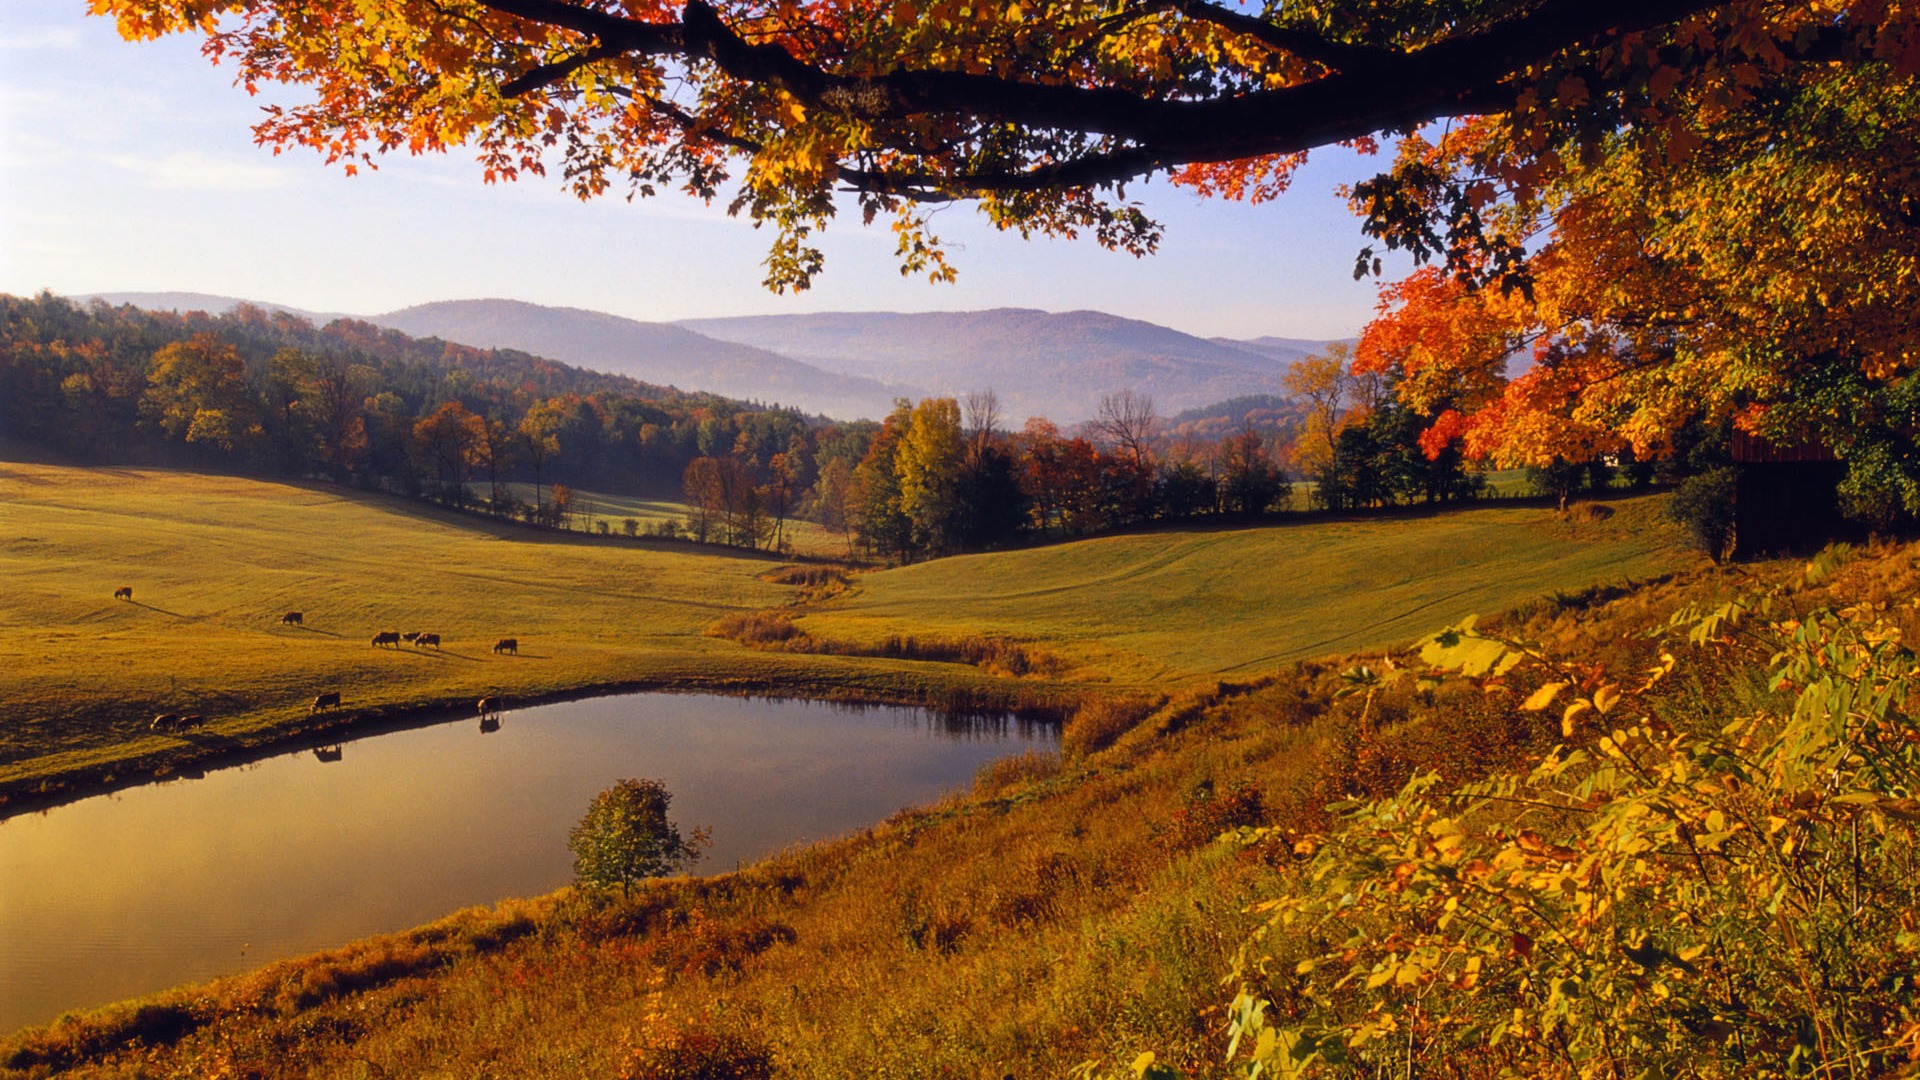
(121, 895)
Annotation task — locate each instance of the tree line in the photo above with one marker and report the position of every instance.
(268, 393)
(505, 432)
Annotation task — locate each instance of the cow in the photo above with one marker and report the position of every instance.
(423, 640)
(507, 645)
(387, 637)
(191, 721)
(410, 637)
(124, 592)
(166, 721)
(490, 705)
(328, 700)
(292, 618)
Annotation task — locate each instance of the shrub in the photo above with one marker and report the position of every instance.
(1206, 813)
(760, 630)
(630, 526)
(626, 836)
(1704, 504)
(1729, 901)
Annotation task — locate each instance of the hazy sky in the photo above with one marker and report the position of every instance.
(132, 167)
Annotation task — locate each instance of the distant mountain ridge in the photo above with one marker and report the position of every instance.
(655, 352)
(1039, 363)
(855, 364)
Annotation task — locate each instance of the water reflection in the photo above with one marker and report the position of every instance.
(124, 894)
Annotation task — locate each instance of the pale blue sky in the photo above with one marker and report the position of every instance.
(131, 167)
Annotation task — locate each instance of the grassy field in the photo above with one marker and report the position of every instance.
(1165, 607)
(592, 508)
(215, 561)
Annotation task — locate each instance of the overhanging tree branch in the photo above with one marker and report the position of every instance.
(1368, 89)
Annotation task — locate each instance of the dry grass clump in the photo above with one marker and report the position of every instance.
(776, 631)
(814, 582)
(1099, 721)
(1001, 775)
(701, 1055)
(762, 630)
(992, 655)
(1588, 513)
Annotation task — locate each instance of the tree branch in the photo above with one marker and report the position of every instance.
(1369, 89)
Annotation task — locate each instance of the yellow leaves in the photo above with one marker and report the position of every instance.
(1573, 712)
(1543, 697)
(1605, 698)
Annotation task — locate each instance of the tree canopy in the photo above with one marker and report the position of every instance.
(1041, 110)
(1689, 209)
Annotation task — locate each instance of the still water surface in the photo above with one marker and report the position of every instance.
(124, 894)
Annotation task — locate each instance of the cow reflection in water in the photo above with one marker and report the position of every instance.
(328, 753)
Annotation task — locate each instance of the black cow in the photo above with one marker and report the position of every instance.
(292, 618)
(328, 700)
(166, 721)
(423, 640)
(124, 592)
(387, 637)
(507, 645)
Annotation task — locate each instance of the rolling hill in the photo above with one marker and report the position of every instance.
(1039, 363)
(655, 352)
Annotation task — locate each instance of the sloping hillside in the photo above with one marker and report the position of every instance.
(1159, 607)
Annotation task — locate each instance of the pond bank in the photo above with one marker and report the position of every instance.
(205, 751)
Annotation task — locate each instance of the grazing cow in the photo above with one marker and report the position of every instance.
(191, 721)
(490, 705)
(387, 637)
(328, 700)
(166, 721)
(507, 644)
(410, 637)
(292, 618)
(124, 592)
(423, 640)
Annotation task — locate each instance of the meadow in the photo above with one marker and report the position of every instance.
(214, 562)
(1175, 607)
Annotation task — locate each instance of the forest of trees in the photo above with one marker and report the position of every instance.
(268, 393)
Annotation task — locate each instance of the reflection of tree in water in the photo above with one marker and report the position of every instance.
(959, 724)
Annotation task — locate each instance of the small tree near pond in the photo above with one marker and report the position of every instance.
(626, 836)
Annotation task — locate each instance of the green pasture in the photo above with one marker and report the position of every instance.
(1162, 606)
(592, 508)
(214, 562)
